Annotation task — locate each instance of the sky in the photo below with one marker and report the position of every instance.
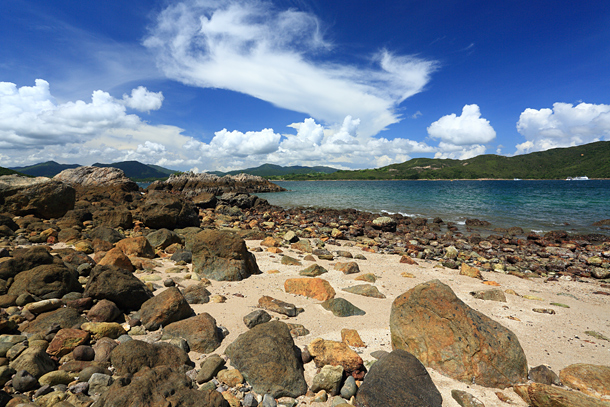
(206, 85)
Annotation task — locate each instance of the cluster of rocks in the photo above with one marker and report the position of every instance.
(69, 316)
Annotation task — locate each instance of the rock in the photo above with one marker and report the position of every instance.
(313, 271)
(465, 399)
(6, 373)
(366, 290)
(209, 368)
(161, 210)
(25, 259)
(196, 294)
(106, 234)
(302, 245)
(348, 268)
(132, 356)
(99, 330)
(163, 309)
(56, 377)
(61, 317)
(329, 379)
(162, 238)
(278, 372)
(39, 307)
(200, 332)
(35, 361)
(406, 259)
(113, 217)
(182, 255)
(275, 305)
(310, 287)
(341, 307)
(24, 381)
(104, 311)
(87, 176)
(325, 352)
(103, 347)
(351, 338)
(489, 295)
(270, 241)
(542, 374)
(291, 237)
(432, 323)
(230, 377)
(477, 223)
(290, 261)
(543, 395)
(406, 376)
(159, 386)
(256, 318)
(116, 258)
(136, 246)
(83, 352)
(349, 388)
(118, 286)
(205, 200)
(99, 383)
(40, 196)
(469, 271)
(593, 380)
(51, 280)
(66, 340)
(385, 224)
(223, 256)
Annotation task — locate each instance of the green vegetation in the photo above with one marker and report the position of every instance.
(47, 169)
(592, 160)
(277, 171)
(139, 172)
(6, 171)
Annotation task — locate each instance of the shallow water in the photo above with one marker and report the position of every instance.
(533, 205)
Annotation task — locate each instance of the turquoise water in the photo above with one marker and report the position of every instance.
(533, 205)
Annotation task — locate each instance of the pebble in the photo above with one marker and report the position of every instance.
(349, 388)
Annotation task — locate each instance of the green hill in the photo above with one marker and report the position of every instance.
(47, 169)
(139, 172)
(592, 160)
(7, 171)
(275, 171)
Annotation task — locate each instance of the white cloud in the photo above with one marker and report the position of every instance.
(467, 129)
(448, 150)
(253, 48)
(143, 100)
(563, 126)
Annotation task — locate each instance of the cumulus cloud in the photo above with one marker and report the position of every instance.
(467, 129)
(143, 100)
(564, 125)
(253, 48)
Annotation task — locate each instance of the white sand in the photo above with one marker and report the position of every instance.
(555, 340)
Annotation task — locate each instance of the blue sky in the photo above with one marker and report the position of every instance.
(219, 85)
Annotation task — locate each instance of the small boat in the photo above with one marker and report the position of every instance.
(585, 178)
(517, 179)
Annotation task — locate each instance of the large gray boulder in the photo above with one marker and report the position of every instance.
(117, 285)
(40, 196)
(47, 281)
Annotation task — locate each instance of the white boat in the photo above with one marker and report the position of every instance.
(585, 178)
(517, 179)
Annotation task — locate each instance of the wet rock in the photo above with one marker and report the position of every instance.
(310, 287)
(278, 373)
(341, 307)
(200, 332)
(163, 309)
(432, 323)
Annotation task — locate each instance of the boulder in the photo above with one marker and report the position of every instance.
(118, 286)
(106, 234)
(136, 246)
(162, 210)
(200, 332)
(116, 258)
(341, 307)
(543, 374)
(104, 311)
(256, 318)
(268, 359)
(325, 352)
(46, 281)
(87, 176)
(408, 379)
(162, 238)
(113, 217)
(41, 197)
(25, 259)
(66, 340)
(444, 333)
(329, 379)
(544, 395)
(163, 309)
(223, 256)
(62, 317)
(132, 356)
(35, 361)
(196, 294)
(310, 287)
(191, 184)
(385, 224)
(593, 380)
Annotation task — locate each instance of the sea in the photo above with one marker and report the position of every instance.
(538, 206)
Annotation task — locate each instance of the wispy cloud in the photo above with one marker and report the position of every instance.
(274, 55)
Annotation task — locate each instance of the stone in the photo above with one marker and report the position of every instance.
(406, 376)
(329, 379)
(162, 210)
(83, 352)
(349, 388)
(302, 245)
(116, 258)
(200, 332)
(163, 238)
(406, 259)
(542, 374)
(593, 380)
(230, 377)
(270, 241)
(25, 259)
(465, 399)
(39, 307)
(313, 271)
(340, 307)
(118, 286)
(489, 295)
(41, 197)
(290, 261)
(543, 395)
(275, 305)
(196, 294)
(136, 246)
(325, 352)
(182, 255)
(52, 280)
(469, 271)
(256, 318)
(56, 377)
(113, 217)
(291, 237)
(6, 373)
(209, 368)
(103, 347)
(24, 381)
(104, 311)
(61, 317)
(268, 359)
(351, 338)
(433, 324)
(105, 234)
(223, 256)
(385, 224)
(132, 356)
(366, 290)
(66, 340)
(163, 309)
(316, 288)
(99, 383)
(34, 360)
(99, 330)
(347, 268)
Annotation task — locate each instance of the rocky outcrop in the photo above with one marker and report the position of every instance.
(162, 210)
(41, 197)
(97, 177)
(191, 184)
(444, 333)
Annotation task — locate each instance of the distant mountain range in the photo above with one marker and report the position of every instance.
(271, 170)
